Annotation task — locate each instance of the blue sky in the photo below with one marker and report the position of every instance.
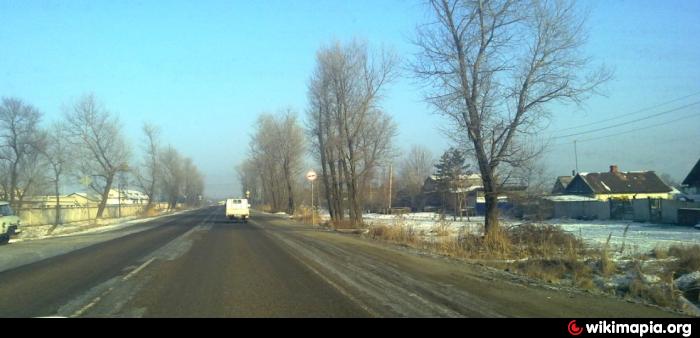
(203, 70)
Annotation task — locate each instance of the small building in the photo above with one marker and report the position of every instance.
(467, 195)
(615, 184)
(560, 184)
(125, 196)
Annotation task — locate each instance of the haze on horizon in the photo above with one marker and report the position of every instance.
(203, 71)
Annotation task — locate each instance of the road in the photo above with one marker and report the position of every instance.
(198, 264)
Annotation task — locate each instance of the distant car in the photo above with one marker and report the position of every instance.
(9, 223)
(238, 209)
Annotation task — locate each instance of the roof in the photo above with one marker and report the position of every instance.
(693, 178)
(564, 180)
(625, 182)
(569, 198)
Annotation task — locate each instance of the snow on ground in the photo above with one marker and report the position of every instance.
(427, 222)
(640, 237)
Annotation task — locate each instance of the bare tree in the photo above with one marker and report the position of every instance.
(147, 174)
(57, 154)
(192, 183)
(20, 143)
(250, 180)
(171, 175)
(494, 67)
(351, 133)
(264, 153)
(276, 150)
(99, 144)
(289, 139)
(416, 167)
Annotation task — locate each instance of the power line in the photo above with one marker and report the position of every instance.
(628, 122)
(633, 130)
(633, 113)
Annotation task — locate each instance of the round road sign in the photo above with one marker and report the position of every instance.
(311, 175)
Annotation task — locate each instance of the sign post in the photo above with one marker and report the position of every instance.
(311, 176)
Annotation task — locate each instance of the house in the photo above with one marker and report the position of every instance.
(468, 193)
(618, 185)
(692, 181)
(66, 201)
(125, 196)
(560, 184)
(81, 199)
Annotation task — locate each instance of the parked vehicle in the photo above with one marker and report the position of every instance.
(9, 223)
(238, 209)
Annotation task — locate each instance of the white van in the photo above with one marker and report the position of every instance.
(238, 209)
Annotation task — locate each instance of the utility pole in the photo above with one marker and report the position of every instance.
(311, 176)
(391, 178)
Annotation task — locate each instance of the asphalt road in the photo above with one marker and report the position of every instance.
(199, 264)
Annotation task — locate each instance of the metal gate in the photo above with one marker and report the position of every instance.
(621, 209)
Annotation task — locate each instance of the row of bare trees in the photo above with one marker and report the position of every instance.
(87, 146)
(492, 67)
(272, 171)
(350, 133)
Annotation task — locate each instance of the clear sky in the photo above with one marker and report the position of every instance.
(203, 70)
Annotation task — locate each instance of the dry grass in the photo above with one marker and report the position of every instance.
(661, 294)
(551, 254)
(151, 212)
(544, 240)
(265, 208)
(688, 258)
(607, 266)
(441, 228)
(659, 253)
(343, 224)
(306, 215)
(556, 270)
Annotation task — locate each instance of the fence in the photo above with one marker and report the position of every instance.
(47, 215)
(582, 210)
(640, 210)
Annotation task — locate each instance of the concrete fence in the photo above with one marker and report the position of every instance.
(582, 210)
(643, 210)
(44, 216)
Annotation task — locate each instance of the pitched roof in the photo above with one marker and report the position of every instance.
(625, 182)
(693, 178)
(564, 180)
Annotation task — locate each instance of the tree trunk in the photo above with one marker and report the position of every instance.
(491, 199)
(327, 185)
(13, 184)
(336, 191)
(58, 205)
(454, 218)
(105, 196)
(290, 194)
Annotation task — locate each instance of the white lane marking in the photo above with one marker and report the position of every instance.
(91, 304)
(132, 273)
